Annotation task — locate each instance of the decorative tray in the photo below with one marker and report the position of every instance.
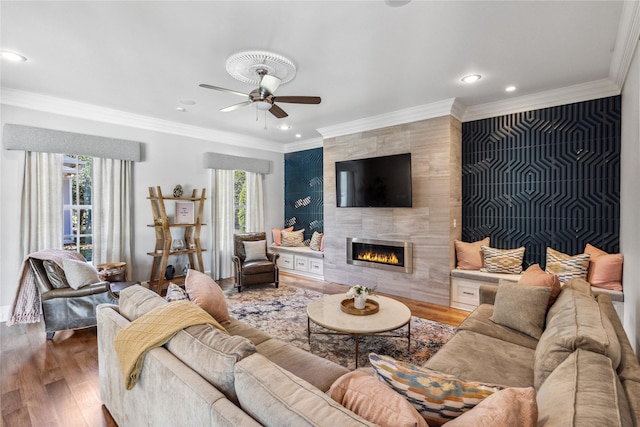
(370, 307)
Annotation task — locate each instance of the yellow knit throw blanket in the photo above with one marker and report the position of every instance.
(152, 330)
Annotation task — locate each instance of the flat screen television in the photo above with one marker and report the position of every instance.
(377, 182)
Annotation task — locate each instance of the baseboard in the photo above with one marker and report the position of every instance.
(5, 311)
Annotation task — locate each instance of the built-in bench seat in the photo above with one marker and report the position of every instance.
(465, 289)
(300, 260)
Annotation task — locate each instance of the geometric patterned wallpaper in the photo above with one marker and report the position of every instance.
(303, 194)
(548, 177)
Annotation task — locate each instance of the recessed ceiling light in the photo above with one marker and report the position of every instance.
(298, 135)
(510, 88)
(181, 109)
(284, 127)
(12, 56)
(472, 78)
(187, 102)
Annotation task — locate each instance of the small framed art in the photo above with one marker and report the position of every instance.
(184, 213)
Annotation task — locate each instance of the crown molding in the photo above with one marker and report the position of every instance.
(307, 144)
(551, 98)
(626, 41)
(407, 115)
(51, 104)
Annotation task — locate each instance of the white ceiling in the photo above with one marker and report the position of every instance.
(364, 58)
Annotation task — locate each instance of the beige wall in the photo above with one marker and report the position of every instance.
(435, 147)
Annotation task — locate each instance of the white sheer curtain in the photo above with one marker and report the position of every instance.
(41, 210)
(222, 214)
(112, 214)
(255, 202)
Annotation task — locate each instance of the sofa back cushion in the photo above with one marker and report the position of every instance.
(212, 354)
(136, 301)
(577, 323)
(583, 390)
(275, 397)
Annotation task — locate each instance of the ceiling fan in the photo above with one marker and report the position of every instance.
(263, 97)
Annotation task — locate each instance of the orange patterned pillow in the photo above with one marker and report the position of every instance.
(605, 270)
(469, 255)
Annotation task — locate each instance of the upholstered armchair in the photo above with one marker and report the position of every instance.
(254, 265)
(64, 307)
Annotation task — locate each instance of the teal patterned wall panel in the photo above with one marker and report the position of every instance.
(303, 193)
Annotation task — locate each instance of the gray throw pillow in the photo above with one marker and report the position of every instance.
(55, 274)
(79, 273)
(255, 251)
(522, 308)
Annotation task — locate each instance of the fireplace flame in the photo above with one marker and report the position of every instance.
(379, 257)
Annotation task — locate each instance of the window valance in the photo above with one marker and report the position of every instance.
(28, 138)
(228, 162)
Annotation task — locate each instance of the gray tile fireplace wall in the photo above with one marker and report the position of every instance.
(435, 150)
(548, 177)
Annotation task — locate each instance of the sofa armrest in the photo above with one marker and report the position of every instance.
(488, 294)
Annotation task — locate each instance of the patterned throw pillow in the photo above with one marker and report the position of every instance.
(293, 238)
(316, 240)
(175, 293)
(502, 260)
(567, 267)
(438, 397)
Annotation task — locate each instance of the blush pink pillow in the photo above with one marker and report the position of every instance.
(205, 292)
(536, 276)
(374, 401)
(276, 235)
(605, 270)
(469, 255)
(505, 408)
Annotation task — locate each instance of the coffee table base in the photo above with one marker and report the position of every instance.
(356, 336)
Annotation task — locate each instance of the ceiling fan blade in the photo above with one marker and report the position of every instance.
(278, 112)
(235, 106)
(270, 83)
(298, 99)
(221, 89)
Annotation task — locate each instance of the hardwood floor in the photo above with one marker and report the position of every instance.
(55, 383)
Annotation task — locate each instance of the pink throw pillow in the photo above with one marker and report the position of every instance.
(536, 276)
(605, 270)
(205, 292)
(509, 407)
(469, 255)
(276, 235)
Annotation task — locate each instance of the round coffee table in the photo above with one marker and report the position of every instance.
(326, 312)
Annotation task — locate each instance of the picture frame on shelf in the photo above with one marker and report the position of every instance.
(184, 213)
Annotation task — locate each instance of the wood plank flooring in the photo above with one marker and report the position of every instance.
(55, 383)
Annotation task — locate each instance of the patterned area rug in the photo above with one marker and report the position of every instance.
(282, 313)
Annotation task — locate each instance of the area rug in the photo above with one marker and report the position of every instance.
(282, 313)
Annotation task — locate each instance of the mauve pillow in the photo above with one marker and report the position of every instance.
(509, 407)
(469, 255)
(605, 270)
(205, 292)
(536, 276)
(374, 401)
(276, 235)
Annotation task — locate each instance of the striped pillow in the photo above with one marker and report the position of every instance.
(438, 397)
(502, 260)
(567, 267)
(316, 239)
(293, 238)
(175, 293)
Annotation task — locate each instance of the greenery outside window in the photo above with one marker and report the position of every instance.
(240, 200)
(77, 172)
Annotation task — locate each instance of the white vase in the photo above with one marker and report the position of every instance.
(359, 300)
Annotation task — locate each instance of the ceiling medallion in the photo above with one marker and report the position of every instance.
(246, 66)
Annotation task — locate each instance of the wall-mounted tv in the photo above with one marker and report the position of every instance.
(377, 182)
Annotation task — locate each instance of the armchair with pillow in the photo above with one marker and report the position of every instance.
(254, 265)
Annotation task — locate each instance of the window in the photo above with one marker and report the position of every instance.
(240, 200)
(76, 200)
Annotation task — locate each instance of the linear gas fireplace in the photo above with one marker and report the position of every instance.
(384, 254)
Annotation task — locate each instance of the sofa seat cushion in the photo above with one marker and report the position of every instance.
(275, 397)
(212, 354)
(317, 371)
(478, 357)
(255, 335)
(257, 267)
(576, 323)
(478, 321)
(583, 390)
